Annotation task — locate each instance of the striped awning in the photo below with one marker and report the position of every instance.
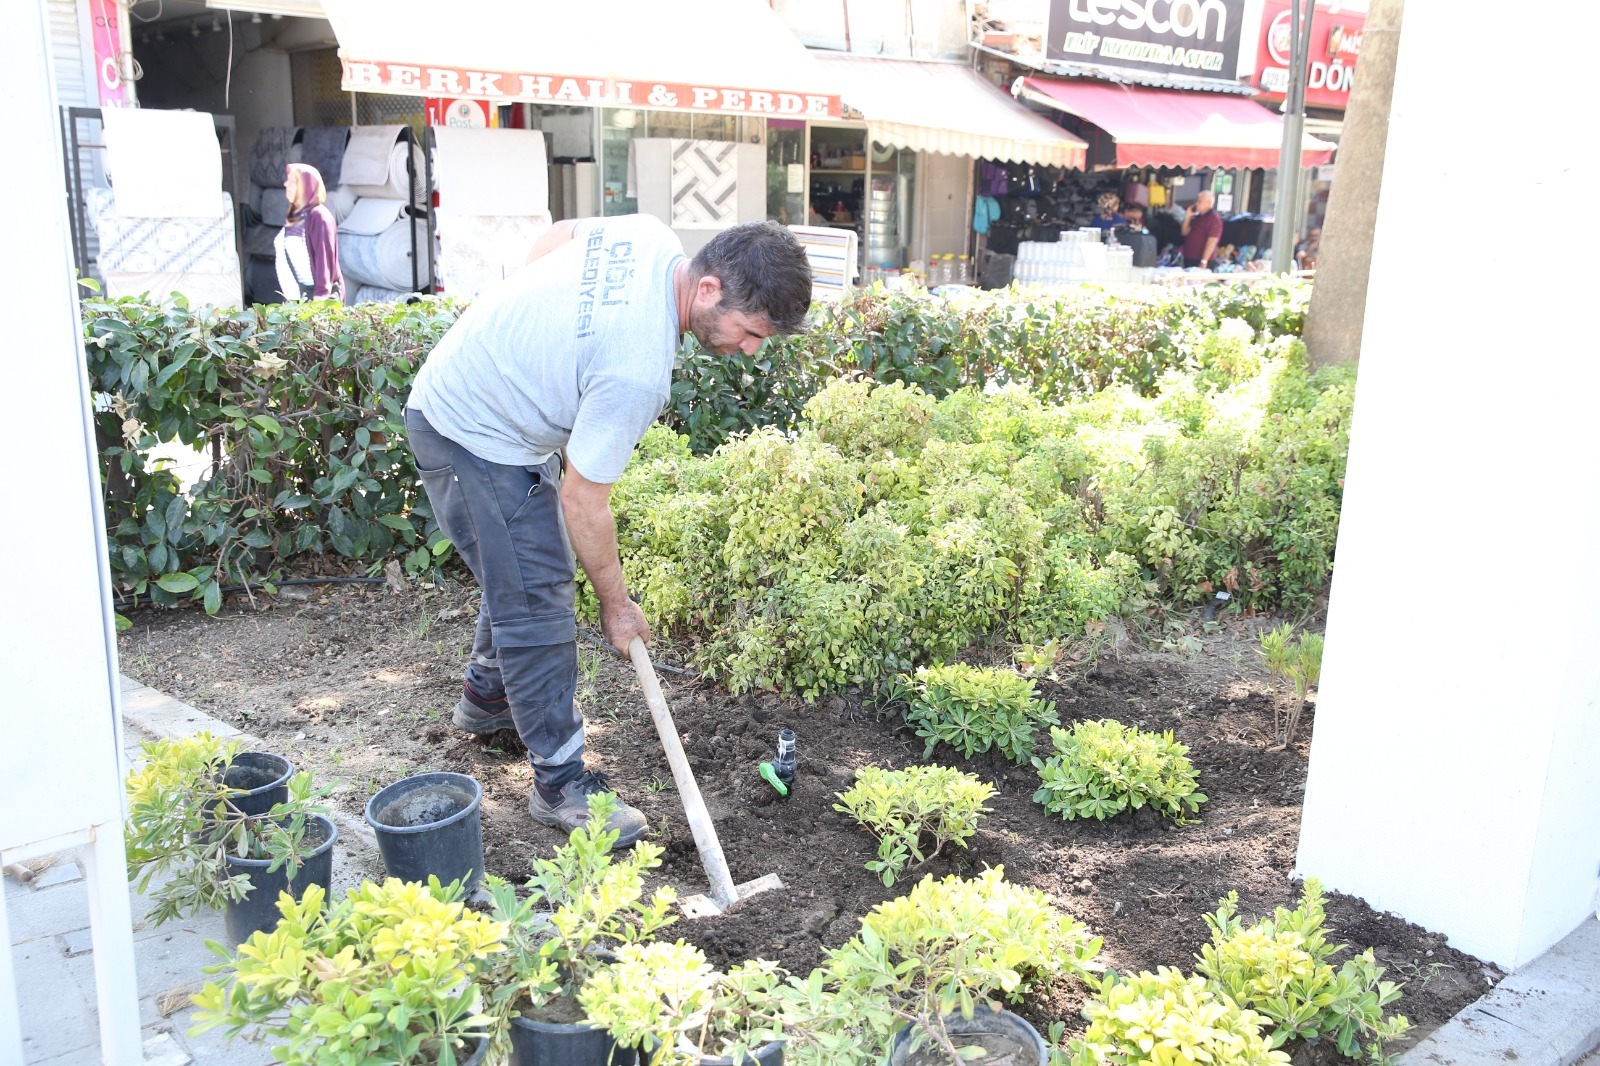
(947, 108)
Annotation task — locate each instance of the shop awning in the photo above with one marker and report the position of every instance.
(948, 108)
(1171, 128)
(714, 57)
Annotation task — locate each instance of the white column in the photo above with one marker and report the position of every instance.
(1455, 765)
(59, 761)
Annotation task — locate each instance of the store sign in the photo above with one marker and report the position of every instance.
(463, 114)
(418, 80)
(1335, 46)
(1195, 37)
(106, 16)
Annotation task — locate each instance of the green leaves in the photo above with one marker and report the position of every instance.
(390, 974)
(181, 826)
(945, 946)
(178, 583)
(973, 709)
(901, 807)
(1103, 768)
(1280, 968)
(261, 391)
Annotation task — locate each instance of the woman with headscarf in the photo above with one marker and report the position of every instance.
(308, 245)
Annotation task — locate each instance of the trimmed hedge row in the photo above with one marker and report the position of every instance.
(893, 529)
(300, 406)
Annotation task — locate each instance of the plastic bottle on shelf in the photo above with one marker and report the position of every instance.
(963, 270)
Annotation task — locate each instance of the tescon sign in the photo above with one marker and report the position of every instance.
(1194, 37)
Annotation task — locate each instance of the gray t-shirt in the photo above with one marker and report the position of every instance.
(575, 350)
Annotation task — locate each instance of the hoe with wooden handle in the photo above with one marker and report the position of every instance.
(724, 893)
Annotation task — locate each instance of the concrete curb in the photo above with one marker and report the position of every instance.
(155, 712)
(1545, 1014)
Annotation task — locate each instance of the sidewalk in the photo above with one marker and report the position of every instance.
(50, 946)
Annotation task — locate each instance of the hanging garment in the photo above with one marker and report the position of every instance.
(985, 210)
(992, 178)
(705, 184)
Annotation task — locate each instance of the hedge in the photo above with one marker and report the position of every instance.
(892, 529)
(301, 407)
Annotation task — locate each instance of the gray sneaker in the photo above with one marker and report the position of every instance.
(573, 810)
(478, 715)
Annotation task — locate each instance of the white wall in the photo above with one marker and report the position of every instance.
(1455, 765)
(59, 763)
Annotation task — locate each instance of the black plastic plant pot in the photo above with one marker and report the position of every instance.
(263, 779)
(429, 824)
(765, 1055)
(474, 1052)
(258, 910)
(552, 1044)
(997, 1037)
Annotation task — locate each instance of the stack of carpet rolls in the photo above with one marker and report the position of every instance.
(385, 252)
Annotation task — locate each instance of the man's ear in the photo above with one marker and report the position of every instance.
(708, 290)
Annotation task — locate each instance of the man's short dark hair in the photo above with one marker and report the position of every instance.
(1130, 208)
(763, 271)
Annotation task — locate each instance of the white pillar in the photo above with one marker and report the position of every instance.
(60, 773)
(1455, 765)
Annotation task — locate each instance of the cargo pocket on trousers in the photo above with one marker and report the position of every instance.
(449, 505)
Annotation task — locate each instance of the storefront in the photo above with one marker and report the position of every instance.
(1336, 33)
(924, 127)
(1160, 93)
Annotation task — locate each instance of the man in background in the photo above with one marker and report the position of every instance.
(1202, 229)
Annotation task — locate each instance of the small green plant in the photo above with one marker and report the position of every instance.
(1298, 662)
(1103, 768)
(903, 807)
(1275, 651)
(945, 946)
(181, 826)
(594, 900)
(667, 999)
(974, 708)
(1167, 1019)
(390, 974)
(1280, 968)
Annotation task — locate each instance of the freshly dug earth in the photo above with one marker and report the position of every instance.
(356, 684)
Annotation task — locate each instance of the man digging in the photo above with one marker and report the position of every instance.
(523, 417)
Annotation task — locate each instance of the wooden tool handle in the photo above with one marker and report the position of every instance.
(694, 808)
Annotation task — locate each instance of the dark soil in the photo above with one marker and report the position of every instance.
(357, 684)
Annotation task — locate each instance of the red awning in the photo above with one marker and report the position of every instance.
(1174, 128)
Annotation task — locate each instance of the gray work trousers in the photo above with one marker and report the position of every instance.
(506, 524)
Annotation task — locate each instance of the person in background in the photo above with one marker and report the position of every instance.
(1134, 216)
(1305, 253)
(1105, 215)
(1202, 229)
(523, 417)
(307, 247)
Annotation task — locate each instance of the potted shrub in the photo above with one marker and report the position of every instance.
(667, 1000)
(390, 974)
(928, 970)
(214, 846)
(584, 903)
